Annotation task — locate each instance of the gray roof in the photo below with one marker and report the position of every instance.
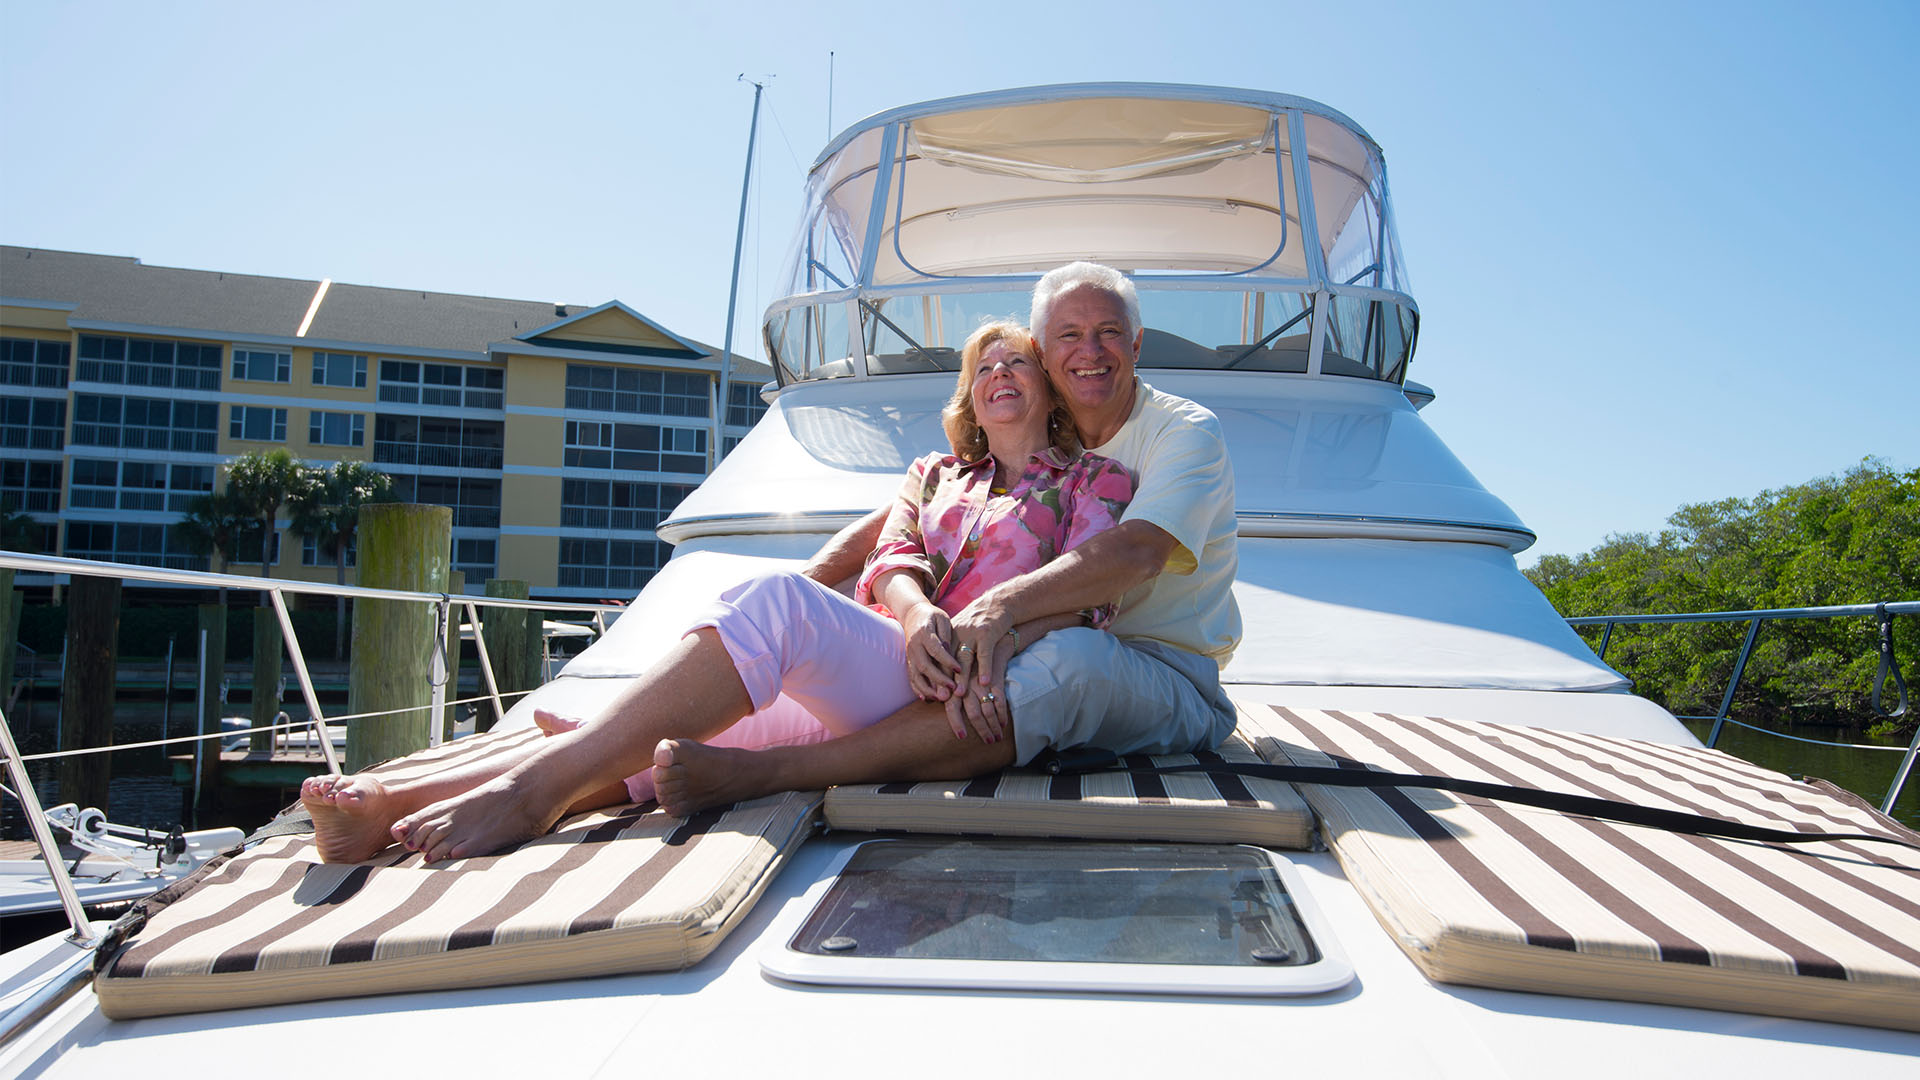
(116, 289)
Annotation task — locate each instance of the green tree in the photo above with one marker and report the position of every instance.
(214, 527)
(262, 482)
(1836, 540)
(18, 530)
(329, 512)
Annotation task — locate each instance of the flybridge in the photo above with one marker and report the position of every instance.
(1258, 227)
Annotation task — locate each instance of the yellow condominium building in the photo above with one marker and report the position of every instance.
(560, 435)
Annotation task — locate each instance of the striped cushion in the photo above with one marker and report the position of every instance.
(1103, 806)
(1495, 894)
(619, 890)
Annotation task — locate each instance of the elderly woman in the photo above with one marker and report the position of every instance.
(781, 659)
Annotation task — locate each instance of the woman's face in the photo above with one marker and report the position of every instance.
(1009, 388)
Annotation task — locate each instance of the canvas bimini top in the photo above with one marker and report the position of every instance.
(1257, 226)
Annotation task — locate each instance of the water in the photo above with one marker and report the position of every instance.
(1866, 773)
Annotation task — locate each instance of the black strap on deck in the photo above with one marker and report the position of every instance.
(1091, 759)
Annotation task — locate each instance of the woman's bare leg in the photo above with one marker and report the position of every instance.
(353, 815)
(693, 692)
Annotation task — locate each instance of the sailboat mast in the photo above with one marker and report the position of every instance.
(733, 286)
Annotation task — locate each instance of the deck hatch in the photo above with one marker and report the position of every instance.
(1033, 914)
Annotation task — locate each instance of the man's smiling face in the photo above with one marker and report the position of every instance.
(1088, 354)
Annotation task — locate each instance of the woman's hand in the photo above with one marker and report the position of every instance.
(932, 671)
(983, 643)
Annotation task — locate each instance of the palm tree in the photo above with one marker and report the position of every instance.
(18, 530)
(261, 483)
(329, 511)
(214, 527)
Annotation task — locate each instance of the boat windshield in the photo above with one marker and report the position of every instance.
(921, 223)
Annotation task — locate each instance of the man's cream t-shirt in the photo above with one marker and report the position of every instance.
(1179, 457)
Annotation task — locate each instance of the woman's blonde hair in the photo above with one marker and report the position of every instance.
(963, 428)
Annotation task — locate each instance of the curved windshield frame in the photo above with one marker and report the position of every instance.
(909, 239)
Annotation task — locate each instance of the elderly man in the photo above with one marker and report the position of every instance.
(1150, 685)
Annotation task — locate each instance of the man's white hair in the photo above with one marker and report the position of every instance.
(1082, 275)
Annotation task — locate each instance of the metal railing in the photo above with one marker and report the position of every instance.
(276, 590)
(1888, 669)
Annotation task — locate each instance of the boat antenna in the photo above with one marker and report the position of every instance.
(829, 95)
(733, 286)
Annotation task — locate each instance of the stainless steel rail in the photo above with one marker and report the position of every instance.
(15, 764)
(1754, 619)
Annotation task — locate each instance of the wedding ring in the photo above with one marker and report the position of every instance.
(987, 697)
(966, 648)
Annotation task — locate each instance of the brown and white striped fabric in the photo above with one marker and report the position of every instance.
(620, 890)
(1195, 807)
(1501, 895)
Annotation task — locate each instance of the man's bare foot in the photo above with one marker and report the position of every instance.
(351, 816)
(690, 776)
(490, 817)
(553, 723)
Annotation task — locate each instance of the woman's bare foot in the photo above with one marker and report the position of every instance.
(351, 816)
(689, 776)
(495, 815)
(553, 723)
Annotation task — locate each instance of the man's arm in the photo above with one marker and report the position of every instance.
(842, 557)
(1097, 572)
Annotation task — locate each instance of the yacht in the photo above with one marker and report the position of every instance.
(1399, 931)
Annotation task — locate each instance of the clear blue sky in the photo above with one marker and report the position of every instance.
(1664, 252)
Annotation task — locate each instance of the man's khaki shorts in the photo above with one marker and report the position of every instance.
(1085, 687)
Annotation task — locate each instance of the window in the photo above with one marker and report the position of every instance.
(104, 484)
(33, 486)
(311, 555)
(178, 365)
(33, 423)
(616, 504)
(336, 428)
(262, 365)
(258, 424)
(627, 390)
(145, 423)
(24, 362)
(413, 382)
(340, 369)
(617, 565)
(474, 558)
(247, 547)
(744, 406)
(142, 544)
(440, 442)
(1030, 914)
(475, 502)
(595, 444)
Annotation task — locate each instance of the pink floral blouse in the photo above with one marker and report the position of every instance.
(962, 539)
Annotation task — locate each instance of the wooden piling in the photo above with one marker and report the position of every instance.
(86, 692)
(268, 657)
(511, 645)
(402, 546)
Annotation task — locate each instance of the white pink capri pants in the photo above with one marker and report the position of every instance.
(815, 664)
